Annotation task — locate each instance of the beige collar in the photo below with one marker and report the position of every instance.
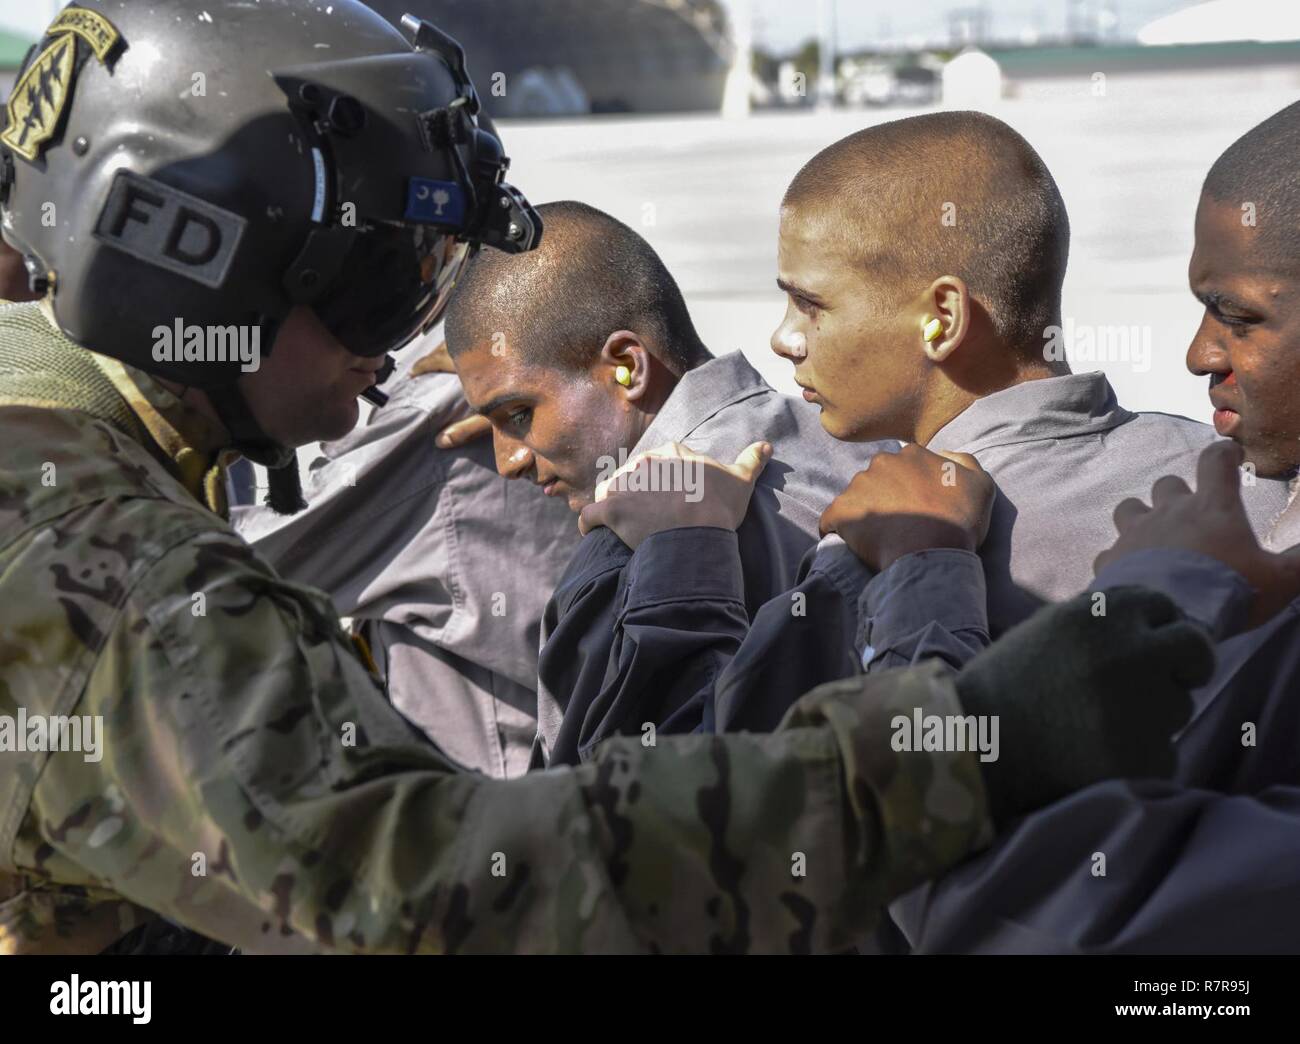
(195, 448)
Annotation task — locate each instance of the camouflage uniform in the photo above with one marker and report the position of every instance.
(256, 786)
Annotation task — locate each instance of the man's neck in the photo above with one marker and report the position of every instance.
(651, 406)
(662, 386)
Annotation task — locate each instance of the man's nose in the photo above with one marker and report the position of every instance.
(1205, 355)
(513, 458)
(789, 343)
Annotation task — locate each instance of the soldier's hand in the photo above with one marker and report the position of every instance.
(911, 501)
(1083, 691)
(672, 487)
(463, 431)
(1211, 521)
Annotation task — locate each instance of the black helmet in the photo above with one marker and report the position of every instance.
(217, 163)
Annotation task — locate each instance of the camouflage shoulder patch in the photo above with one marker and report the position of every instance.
(38, 98)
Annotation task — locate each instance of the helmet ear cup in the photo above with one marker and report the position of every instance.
(486, 123)
(488, 153)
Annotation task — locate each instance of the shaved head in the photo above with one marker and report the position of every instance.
(571, 349)
(1259, 177)
(947, 193)
(591, 276)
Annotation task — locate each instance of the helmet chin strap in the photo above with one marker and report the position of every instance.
(284, 496)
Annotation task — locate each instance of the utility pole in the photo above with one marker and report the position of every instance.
(826, 54)
(736, 93)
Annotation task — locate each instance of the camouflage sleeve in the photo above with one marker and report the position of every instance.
(255, 786)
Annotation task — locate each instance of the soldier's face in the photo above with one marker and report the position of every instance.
(853, 346)
(1248, 343)
(548, 426)
(306, 389)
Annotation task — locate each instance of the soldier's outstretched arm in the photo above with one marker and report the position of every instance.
(255, 786)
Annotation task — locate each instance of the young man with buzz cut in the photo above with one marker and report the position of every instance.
(1208, 862)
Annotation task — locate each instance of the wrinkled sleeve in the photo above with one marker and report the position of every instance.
(255, 786)
(802, 638)
(632, 639)
(1206, 863)
(1126, 867)
(929, 605)
(1205, 589)
(576, 633)
(684, 654)
(679, 621)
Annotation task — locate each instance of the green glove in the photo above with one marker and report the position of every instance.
(1082, 698)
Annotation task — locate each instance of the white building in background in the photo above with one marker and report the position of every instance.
(624, 55)
(1224, 21)
(972, 80)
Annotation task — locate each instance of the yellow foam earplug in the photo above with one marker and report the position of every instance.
(932, 330)
(623, 375)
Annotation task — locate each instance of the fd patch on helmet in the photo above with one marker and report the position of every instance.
(38, 98)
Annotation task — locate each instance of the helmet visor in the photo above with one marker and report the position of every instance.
(394, 284)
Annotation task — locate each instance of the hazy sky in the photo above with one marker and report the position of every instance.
(783, 24)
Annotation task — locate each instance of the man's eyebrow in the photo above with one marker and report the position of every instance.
(1218, 300)
(796, 291)
(492, 405)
